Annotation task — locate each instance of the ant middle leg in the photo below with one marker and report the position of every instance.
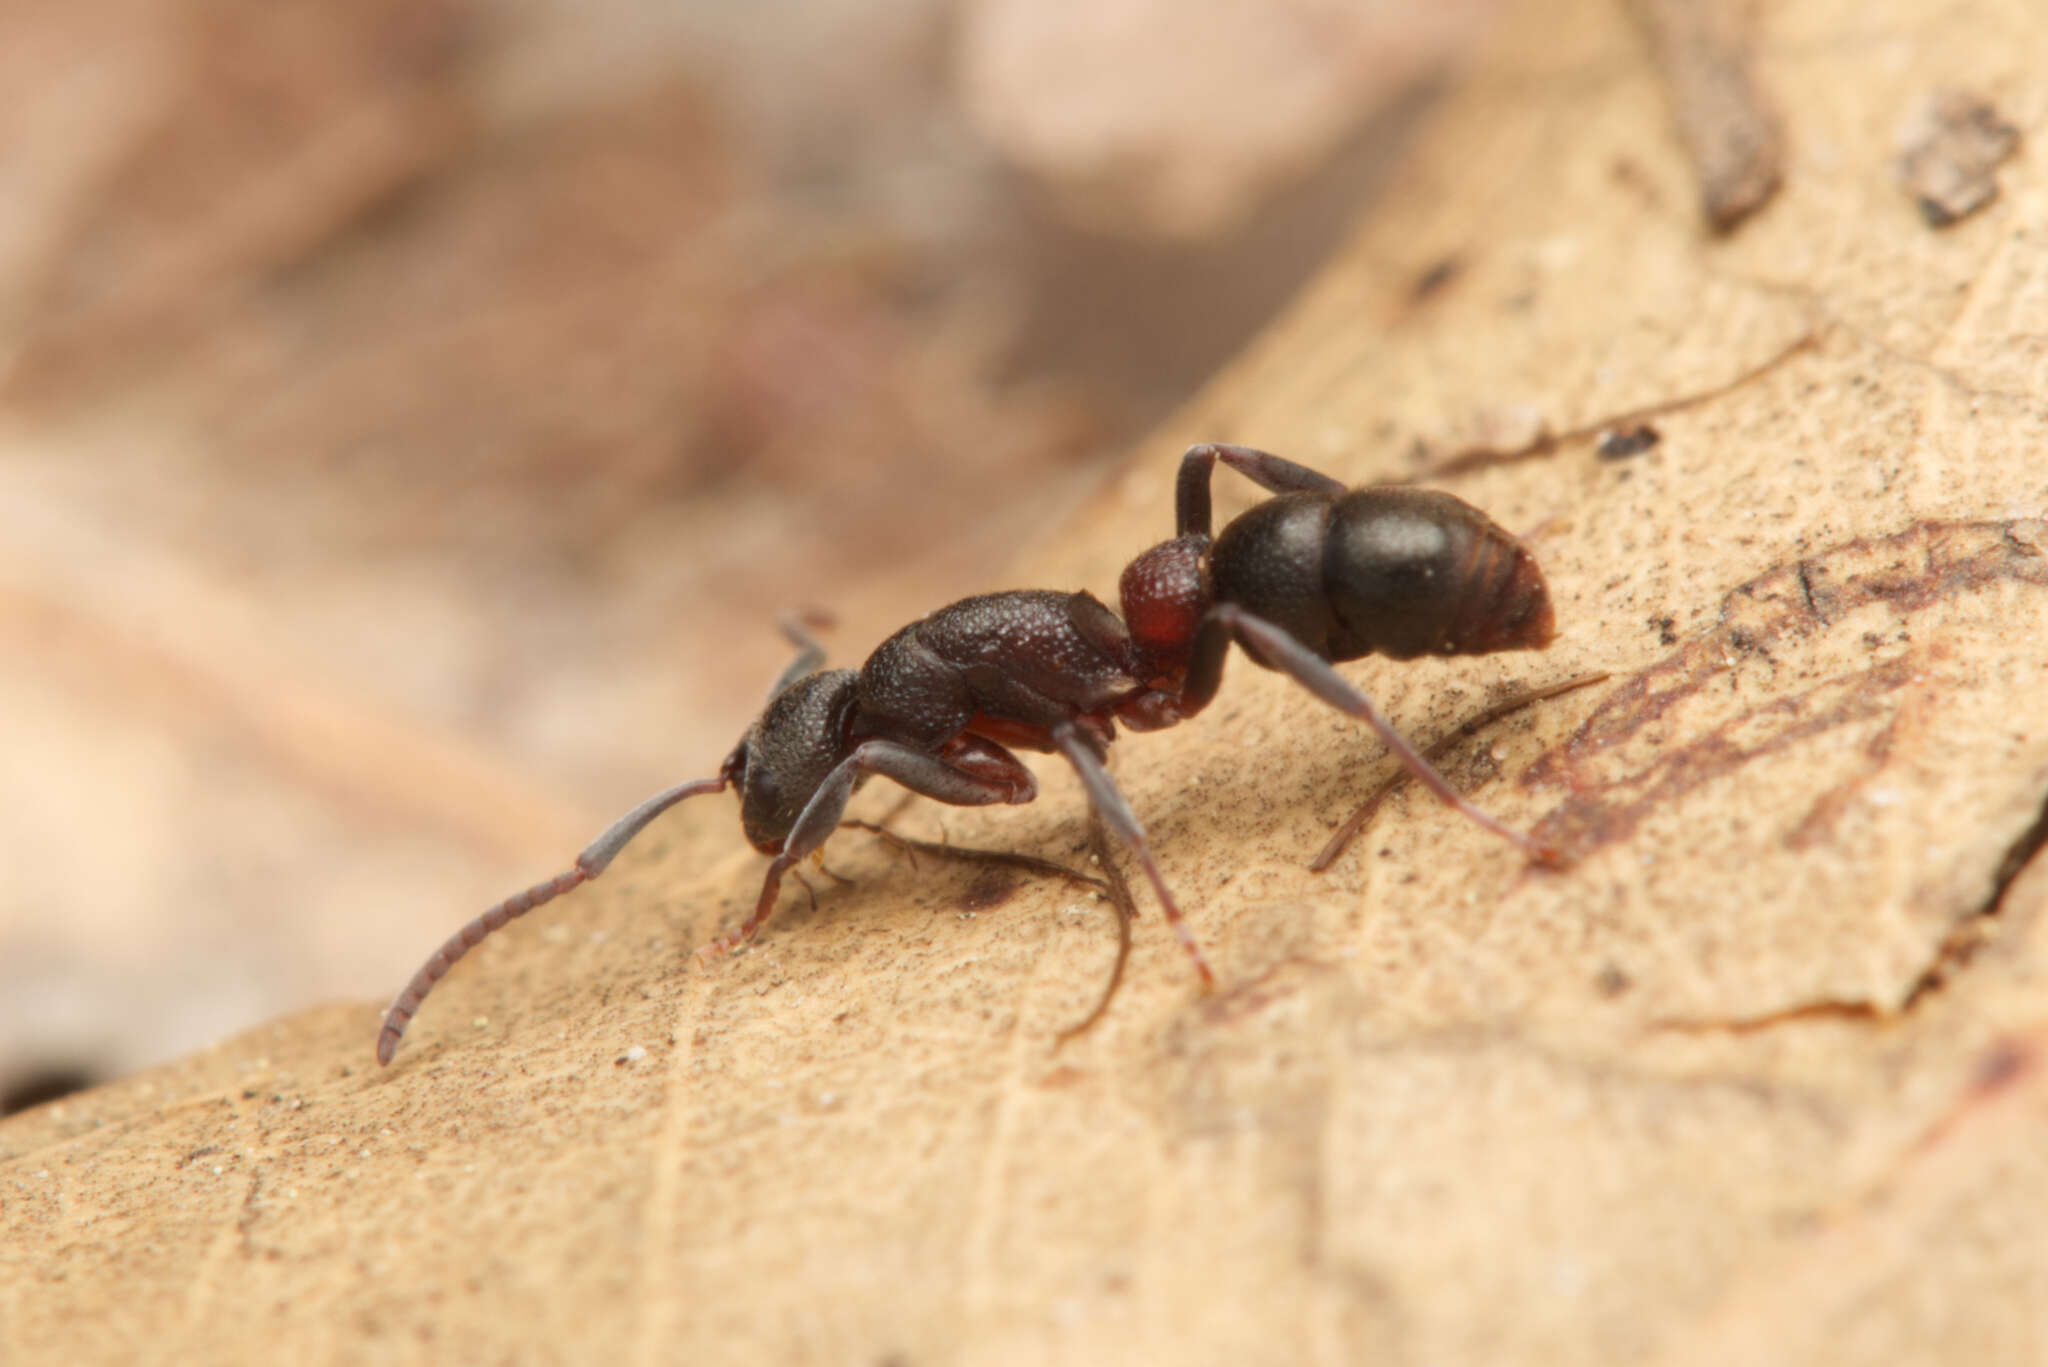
(1122, 822)
(1275, 647)
(970, 773)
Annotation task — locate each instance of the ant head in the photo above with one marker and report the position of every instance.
(787, 753)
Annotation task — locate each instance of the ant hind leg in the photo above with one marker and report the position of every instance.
(1272, 473)
(1275, 647)
(1269, 472)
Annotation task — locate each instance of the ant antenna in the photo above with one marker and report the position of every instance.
(811, 654)
(589, 864)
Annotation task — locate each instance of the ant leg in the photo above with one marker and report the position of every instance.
(1191, 491)
(1277, 648)
(1206, 657)
(1198, 462)
(1123, 822)
(985, 782)
(589, 864)
(810, 655)
(1279, 476)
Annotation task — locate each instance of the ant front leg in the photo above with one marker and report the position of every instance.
(971, 773)
(1273, 646)
(1269, 472)
(1123, 822)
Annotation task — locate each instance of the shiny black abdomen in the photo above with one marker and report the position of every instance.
(1390, 570)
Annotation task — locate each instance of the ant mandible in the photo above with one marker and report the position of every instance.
(1314, 575)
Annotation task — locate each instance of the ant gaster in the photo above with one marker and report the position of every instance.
(1313, 575)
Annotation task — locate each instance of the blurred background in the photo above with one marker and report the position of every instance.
(414, 414)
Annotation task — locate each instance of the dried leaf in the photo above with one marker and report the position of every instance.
(1694, 1099)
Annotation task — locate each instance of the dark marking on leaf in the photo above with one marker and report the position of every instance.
(1612, 981)
(1948, 150)
(1434, 280)
(990, 888)
(1627, 439)
(1968, 936)
(1611, 790)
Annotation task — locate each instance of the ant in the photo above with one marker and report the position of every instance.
(1315, 575)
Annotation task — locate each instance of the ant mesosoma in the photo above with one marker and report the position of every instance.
(1314, 575)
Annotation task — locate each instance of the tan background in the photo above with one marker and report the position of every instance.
(1763, 1077)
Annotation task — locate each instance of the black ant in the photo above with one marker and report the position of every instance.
(1314, 575)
